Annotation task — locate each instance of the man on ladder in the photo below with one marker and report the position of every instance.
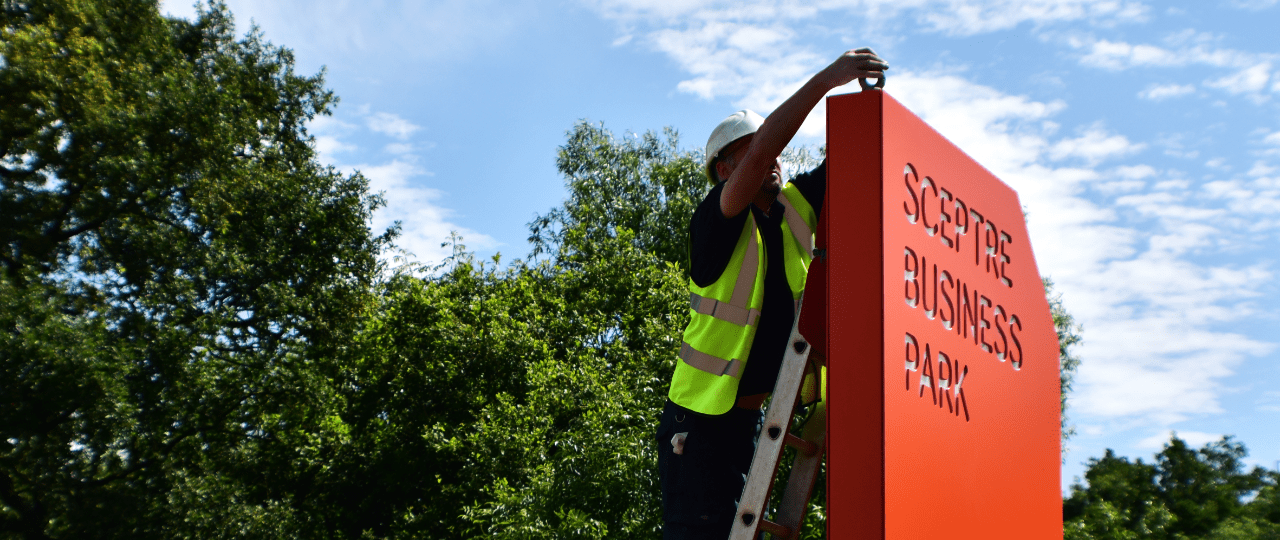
(751, 241)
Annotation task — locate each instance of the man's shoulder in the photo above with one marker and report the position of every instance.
(708, 211)
(712, 197)
(712, 238)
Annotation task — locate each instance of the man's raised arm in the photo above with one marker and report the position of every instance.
(750, 173)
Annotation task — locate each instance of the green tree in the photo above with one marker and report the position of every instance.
(1204, 487)
(1121, 501)
(642, 183)
(1266, 506)
(1103, 521)
(179, 278)
(1259, 519)
(512, 402)
(440, 353)
(1245, 528)
(615, 324)
(1184, 494)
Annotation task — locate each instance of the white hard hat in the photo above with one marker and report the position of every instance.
(736, 126)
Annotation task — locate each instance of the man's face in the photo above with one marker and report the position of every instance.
(732, 154)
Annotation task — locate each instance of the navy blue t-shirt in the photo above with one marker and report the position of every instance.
(711, 240)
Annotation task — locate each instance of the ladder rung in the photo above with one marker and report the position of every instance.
(805, 447)
(777, 531)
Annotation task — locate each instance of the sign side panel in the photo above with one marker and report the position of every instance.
(855, 304)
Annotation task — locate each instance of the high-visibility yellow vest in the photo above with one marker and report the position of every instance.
(724, 315)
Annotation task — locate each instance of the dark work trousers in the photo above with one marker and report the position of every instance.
(701, 486)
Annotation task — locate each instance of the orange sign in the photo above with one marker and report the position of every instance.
(943, 378)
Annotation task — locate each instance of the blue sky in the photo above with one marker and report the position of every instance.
(1143, 139)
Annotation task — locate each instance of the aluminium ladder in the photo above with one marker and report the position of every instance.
(750, 519)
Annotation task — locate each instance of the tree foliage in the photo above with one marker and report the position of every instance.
(1185, 494)
(516, 402)
(180, 277)
(641, 183)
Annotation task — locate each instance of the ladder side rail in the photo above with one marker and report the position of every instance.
(777, 422)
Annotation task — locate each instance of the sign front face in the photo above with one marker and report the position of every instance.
(970, 410)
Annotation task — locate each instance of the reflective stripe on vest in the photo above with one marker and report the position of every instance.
(746, 279)
(800, 229)
(724, 311)
(708, 363)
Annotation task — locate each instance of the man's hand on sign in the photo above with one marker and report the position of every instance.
(856, 64)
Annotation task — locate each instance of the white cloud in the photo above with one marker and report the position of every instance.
(1135, 172)
(748, 50)
(1250, 80)
(1271, 144)
(1194, 439)
(1261, 168)
(327, 146)
(1160, 92)
(399, 148)
(1258, 197)
(972, 17)
(1254, 5)
(1169, 185)
(1119, 55)
(1252, 71)
(1192, 50)
(955, 17)
(1269, 402)
(390, 125)
(1176, 145)
(425, 222)
(1095, 145)
(1173, 371)
(761, 75)
(327, 131)
(1120, 186)
(437, 31)
(648, 9)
